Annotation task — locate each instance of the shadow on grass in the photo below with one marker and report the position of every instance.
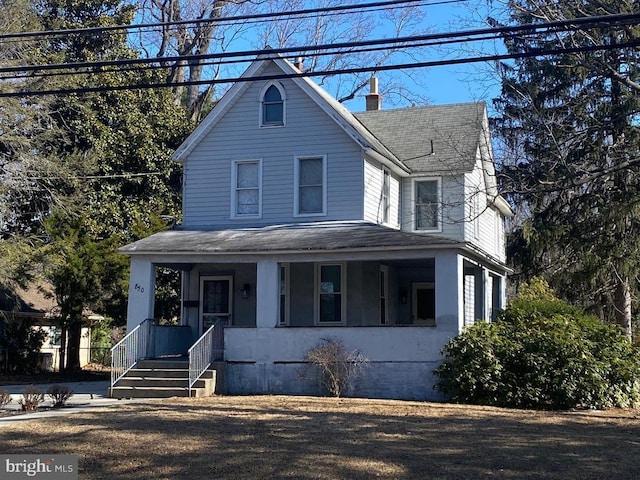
(302, 438)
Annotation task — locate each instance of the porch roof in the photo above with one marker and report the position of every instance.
(309, 237)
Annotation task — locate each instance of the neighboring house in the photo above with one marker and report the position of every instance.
(34, 306)
(303, 221)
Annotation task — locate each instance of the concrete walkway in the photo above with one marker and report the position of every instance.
(86, 396)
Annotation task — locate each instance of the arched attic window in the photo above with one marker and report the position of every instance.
(272, 106)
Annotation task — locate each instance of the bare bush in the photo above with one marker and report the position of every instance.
(59, 395)
(31, 399)
(338, 365)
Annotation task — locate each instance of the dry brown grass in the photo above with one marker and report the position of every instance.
(269, 437)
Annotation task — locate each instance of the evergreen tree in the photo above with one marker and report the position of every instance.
(569, 125)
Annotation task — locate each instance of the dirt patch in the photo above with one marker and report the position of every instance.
(264, 437)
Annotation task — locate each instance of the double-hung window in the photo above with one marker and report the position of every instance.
(427, 208)
(246, 201)
(331, 294)
(310, 196)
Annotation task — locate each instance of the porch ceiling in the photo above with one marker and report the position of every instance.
(323, 236)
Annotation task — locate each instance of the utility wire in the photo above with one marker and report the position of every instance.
(377, 68)
(548, 27)
(231, 19)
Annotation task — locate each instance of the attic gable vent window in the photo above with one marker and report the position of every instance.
(273, 106)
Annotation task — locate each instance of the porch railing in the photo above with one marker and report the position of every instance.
(133, 347)
(201, 355)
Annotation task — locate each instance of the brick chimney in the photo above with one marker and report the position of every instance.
(299, 64)
(374, 99)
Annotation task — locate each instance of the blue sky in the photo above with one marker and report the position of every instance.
(466, 82)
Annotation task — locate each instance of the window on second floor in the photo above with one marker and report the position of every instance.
(427, 208)
(310, 186)
(386, 195)
(246, 201)
(272, 107)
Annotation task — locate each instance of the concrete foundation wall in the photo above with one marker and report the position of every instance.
(271, 360)
(392, 380)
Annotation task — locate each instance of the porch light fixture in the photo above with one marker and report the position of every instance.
(244, 291)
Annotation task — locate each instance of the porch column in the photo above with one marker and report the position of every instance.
(487, 295)
(449, 276)
(267, 291)
(142, 281)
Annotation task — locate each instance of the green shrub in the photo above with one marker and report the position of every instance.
(541, 353)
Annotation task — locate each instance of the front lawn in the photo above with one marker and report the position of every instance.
(269, 437)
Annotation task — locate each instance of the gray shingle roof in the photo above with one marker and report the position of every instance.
(408, 133)
(322, 236)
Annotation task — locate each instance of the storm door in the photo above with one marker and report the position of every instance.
(216, 295)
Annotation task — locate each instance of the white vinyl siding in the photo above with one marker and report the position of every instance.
(309, 131)
(374, 197)
(486, 230)
(246, 189)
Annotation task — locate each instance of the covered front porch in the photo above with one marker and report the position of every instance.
(262, 310)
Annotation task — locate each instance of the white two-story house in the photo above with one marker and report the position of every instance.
(303, 221)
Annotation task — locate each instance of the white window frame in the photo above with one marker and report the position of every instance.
(414, 218)
(386, 196)
(296, 186)
(235, 189)
(283, 96)
(343, 293)
(284, 291)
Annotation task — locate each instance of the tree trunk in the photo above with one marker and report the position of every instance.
(63, 348)
(623, 305)
(73, 352)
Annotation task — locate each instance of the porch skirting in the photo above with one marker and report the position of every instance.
(386, 380)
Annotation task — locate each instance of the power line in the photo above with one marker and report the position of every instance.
(495, 32)
(377, 68)
(231, 19)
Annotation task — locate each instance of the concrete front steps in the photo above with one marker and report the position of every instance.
(163, 378)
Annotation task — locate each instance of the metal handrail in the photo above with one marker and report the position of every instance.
(133, 347)
(201, 356)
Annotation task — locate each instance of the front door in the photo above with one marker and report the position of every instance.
(216, 301)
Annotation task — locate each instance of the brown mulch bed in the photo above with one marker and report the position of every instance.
(271, 437)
